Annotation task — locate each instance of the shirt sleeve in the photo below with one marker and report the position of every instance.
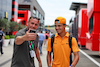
(44, 37)
(18, 34)
(74, 45)
(49, 45)
(3, 34)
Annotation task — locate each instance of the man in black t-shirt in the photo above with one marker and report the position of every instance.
(23, 55)
(1, 39)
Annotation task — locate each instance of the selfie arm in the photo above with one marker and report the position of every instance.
(19, 40)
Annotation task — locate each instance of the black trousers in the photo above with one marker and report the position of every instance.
(1, 50)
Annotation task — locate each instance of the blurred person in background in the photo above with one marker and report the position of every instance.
(51, 33)
(1, 39)
(46, 38)
(41, 39)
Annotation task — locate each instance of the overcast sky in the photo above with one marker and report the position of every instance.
(55, 8)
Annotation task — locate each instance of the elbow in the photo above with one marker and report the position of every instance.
(77, 56)
(16, 42)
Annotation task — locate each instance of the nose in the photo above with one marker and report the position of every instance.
(56, 27)
(33, 25)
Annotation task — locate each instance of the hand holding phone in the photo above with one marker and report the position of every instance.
(30, 35)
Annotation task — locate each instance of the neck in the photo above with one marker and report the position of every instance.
(62, 34)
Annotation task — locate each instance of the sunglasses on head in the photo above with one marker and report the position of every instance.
(56, 20)
(35, 18)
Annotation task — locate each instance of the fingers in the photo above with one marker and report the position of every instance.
(30, 36)
(28, 31)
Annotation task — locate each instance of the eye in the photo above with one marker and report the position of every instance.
(36, 24)
(59, 25)
(32, 22)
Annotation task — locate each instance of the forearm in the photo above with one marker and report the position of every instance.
(37, 55)
(49, 59)
(76, 59)
(19, 40)
(3, 39)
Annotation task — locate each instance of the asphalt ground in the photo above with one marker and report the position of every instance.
(84, 61)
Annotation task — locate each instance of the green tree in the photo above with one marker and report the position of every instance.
(13, 26)
(5, 24)
(21, 26)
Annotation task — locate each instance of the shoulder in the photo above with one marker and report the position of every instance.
(22, 31)
(2, 32)
(73, 38)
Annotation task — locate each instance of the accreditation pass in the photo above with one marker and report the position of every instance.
(32, 53)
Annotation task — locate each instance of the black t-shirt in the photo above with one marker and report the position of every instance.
(46, 36)
(1, 34)
(21, 55)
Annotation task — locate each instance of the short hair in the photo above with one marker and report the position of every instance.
(1, 28)
(46, 31)
(34, 18)
(41, 31)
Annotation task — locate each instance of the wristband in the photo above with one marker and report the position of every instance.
(71, 65)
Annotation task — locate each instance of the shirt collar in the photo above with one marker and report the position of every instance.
(67, 34)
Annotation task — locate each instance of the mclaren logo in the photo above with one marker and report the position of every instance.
(67, 43)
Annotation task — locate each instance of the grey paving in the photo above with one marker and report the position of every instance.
(5, 59)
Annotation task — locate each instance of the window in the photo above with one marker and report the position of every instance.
(24, 22)
(20, 15)
(91, 24)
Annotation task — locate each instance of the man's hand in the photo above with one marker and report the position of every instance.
(71, 66)
(40, 64)
(30, 36)
(27, 37)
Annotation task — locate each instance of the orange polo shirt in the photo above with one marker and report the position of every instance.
(61, 50)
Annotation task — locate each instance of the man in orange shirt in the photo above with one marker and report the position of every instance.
(61, 48)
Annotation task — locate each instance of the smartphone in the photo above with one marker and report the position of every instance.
(32, 31)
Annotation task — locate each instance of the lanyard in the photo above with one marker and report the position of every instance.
(31, 45)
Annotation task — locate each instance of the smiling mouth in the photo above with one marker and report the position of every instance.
(32, 28)
(57, 30)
